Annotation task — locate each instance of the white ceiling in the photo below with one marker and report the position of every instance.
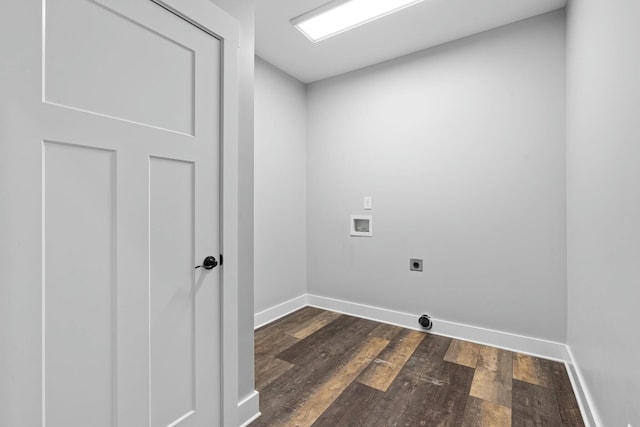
(424, 25)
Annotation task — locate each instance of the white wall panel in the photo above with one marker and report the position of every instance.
(603, 204)
(280, 216)
(462, 148)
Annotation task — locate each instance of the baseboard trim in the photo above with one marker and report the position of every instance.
(585, 401)
(508, 341)
(269, 315)
(249, 409)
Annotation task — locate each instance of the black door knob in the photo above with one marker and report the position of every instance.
(208, 263)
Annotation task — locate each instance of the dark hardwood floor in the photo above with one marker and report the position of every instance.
(320, 368)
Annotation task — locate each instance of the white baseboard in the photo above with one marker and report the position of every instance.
(508, 341)
(269, 315)
(580, 389)
(248, 409)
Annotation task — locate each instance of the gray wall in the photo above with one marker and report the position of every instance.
(280, 173)
(243, 11)
(463, 149)
(603, 129)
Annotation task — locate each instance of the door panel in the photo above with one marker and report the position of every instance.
(102, 58)
(172, 293)
(79, 296)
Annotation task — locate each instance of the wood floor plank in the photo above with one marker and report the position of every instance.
(275, 345)
(268, 369)
(427, 361)
(351, 408)
(325, 394)
(334, 339)
(482, 413)
(316, 361)
(427, 391)
(384, 369)
(534, 406)
(312, 325)
(264, 335)
(463, 353)
(567, 402)
(436, 404)
(387, 332)
(281, 396)
(282, 324)
(492, 380)
(532, 370)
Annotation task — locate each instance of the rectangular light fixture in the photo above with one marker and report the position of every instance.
(339, 16)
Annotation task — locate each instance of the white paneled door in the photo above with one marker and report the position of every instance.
(128, 135)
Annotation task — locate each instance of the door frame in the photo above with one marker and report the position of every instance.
(21, 271)
(216, 22)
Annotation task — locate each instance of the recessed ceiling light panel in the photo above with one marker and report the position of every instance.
(339, 16)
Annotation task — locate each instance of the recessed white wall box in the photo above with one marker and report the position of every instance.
(361, 225)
